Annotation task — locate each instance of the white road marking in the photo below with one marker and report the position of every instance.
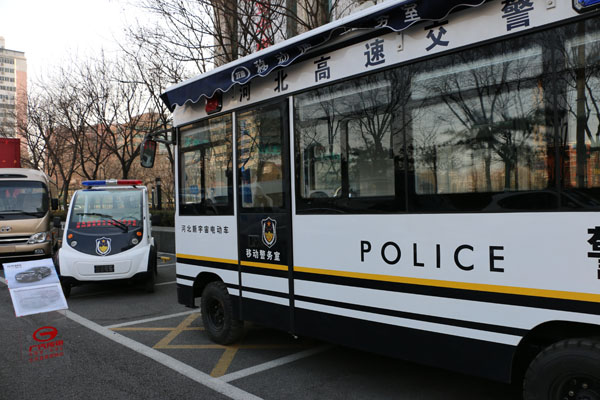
(3, 280)
(142, 321)
(166, 265)
(273, 364)
(165, 283)
(198, 376)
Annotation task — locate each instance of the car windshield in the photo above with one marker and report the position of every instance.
(106, 209)
(23, 199)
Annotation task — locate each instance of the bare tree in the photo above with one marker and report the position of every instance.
(205, 33)
(119, 107)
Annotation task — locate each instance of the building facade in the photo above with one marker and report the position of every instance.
(13, 90)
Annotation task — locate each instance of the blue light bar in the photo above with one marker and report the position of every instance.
(585, 5)
(93, 183)
(112, 182)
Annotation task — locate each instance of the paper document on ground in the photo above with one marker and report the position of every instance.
(34, 287)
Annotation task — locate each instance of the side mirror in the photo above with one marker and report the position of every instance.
(56, 222)
(54, 204)
(148, 153)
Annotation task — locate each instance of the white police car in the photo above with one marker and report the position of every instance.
(108, 235)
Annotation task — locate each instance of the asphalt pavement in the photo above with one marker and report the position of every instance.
(118, 342)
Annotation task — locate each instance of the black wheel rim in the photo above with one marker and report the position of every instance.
(579, 387)
(216, 314)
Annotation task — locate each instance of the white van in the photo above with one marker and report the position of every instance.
(108, 235)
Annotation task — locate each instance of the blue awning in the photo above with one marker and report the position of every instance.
(393, 15)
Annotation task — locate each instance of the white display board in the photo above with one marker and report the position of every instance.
(34, 287)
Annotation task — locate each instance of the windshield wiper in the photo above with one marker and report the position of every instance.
(117, 222)
(30, 213)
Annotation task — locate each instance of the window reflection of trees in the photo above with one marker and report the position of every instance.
(483, 125)
(206, 168)
(578, 48)
(348, 135)
(260, 159)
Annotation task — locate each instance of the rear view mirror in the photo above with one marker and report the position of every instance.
(148, 153)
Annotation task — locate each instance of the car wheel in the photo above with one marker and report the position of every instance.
(569, 369)
(39, 277)
(217, 315)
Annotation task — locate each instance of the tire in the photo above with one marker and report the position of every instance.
(152, 272)
(569, 369)
(217, 315)
(66, 288)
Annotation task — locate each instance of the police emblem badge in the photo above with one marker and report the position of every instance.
(269, 231)
(102, 246)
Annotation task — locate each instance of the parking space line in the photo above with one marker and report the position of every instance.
(164, 342)
(165, 283)
(159, 328)
(198, 376)
(166, 265)
(272, 364)
(143, 321)
(220, 346)
(223, 363)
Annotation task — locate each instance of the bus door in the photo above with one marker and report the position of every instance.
(264, 215)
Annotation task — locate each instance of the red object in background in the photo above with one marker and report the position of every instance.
(10, 153)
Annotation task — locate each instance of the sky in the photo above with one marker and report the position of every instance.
(55, 32)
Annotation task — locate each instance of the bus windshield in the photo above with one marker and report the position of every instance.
(106, 209)
(23, 199)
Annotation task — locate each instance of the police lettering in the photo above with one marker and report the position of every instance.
(462, 257)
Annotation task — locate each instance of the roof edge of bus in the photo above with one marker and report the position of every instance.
(298, 38)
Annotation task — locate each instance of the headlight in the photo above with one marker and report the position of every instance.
(39, 237)
(134, 241)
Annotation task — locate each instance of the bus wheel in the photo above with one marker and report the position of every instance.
(569, 369)
(217, 314)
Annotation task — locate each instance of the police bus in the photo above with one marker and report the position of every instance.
(419, 179)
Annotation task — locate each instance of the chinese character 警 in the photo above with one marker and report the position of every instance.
(595, 242)
(516, 13)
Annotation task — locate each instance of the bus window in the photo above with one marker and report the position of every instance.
(260, 159)
(580, 88)
(350, 146)
(206, 186)
(482, 127)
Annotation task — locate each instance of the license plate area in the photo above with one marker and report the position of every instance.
(99, 269)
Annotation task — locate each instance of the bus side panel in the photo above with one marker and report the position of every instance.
(265, 313)
(476, 357)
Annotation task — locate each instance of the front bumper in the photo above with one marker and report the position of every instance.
(17, 252)
(75, 266)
